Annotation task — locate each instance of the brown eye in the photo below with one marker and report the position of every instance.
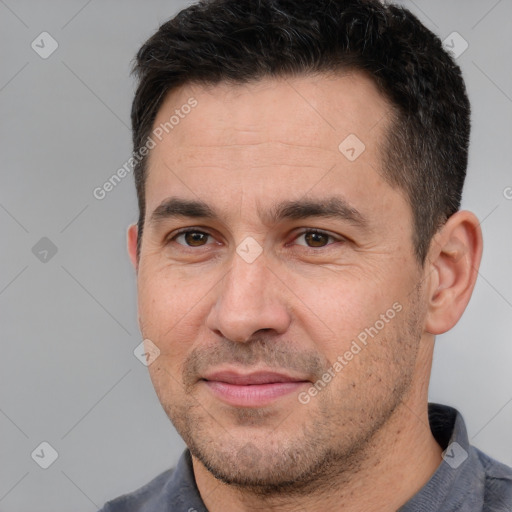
(192, 238)
(315, 239)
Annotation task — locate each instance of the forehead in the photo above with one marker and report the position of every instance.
(274, 137)
(298, 110)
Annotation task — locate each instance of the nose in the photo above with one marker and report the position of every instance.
(250, 298)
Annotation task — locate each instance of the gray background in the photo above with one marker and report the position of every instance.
(69, 324)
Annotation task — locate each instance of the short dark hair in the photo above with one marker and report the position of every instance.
(426, 147)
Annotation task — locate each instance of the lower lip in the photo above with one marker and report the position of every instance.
(254, 395)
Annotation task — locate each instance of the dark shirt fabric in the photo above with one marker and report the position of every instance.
(467, 480)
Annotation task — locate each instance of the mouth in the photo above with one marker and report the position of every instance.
(253, 389)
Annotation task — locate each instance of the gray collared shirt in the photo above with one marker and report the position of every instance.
(466, 481)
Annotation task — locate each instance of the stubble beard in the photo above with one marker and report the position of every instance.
(332, 445)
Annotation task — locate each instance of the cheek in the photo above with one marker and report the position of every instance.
(336, 314)
(169, 310)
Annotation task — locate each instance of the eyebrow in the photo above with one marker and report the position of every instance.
(332, 207)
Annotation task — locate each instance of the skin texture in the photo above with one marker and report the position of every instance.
(363, 441)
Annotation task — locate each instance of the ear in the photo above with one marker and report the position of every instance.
(132, 236)
(453, 262)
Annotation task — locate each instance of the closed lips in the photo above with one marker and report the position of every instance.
(238, 379)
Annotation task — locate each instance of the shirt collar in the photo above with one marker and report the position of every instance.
(459, 480)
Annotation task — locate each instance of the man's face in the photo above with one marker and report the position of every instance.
(261, 299)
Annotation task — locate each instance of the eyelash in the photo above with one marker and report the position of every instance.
(185, 231)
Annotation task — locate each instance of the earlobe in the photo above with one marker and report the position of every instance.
(132, 236)
(454, 258)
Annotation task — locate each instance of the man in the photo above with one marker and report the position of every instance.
(299, 169)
